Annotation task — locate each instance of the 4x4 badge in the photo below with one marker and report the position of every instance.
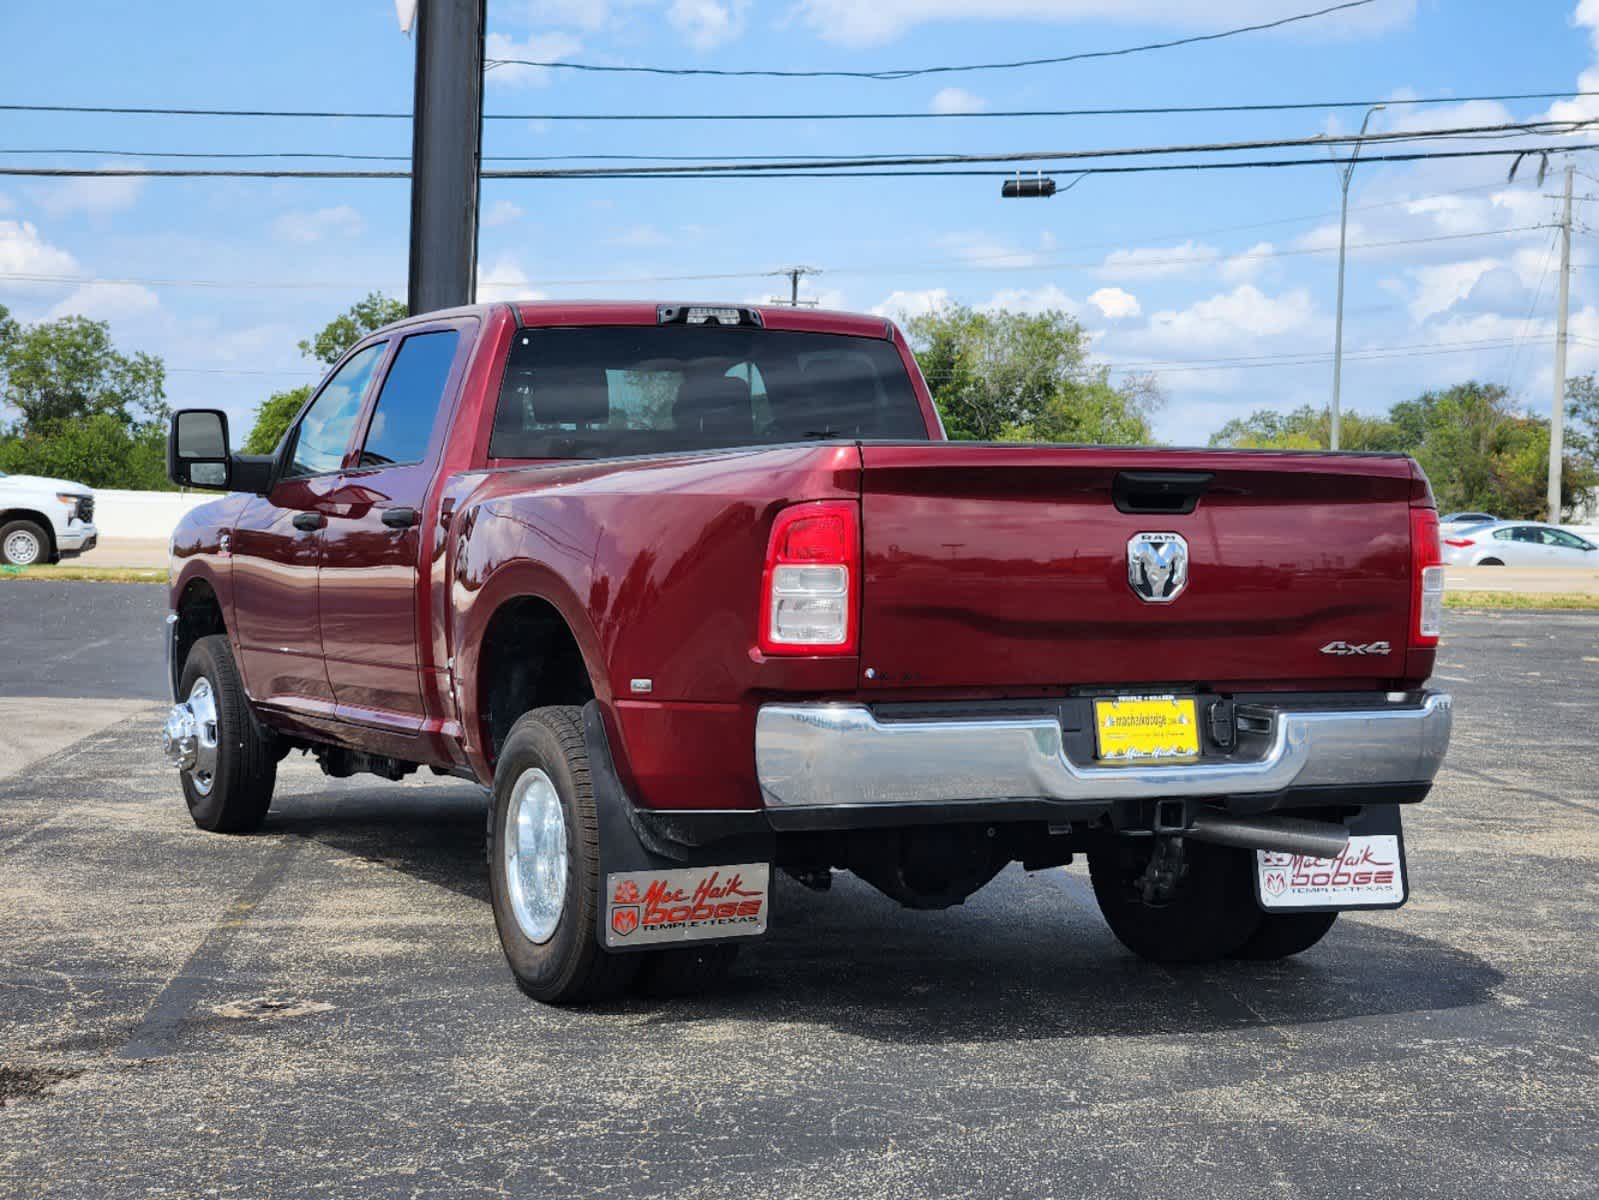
(1347, 648)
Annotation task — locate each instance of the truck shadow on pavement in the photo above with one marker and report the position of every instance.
(1026, 958)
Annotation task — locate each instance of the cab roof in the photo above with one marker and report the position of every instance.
(646, 312)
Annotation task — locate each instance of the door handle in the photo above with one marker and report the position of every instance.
(310, 522)
(400, 518)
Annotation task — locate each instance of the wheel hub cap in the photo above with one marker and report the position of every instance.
(534, 846)
(22, 548)
(190, 737)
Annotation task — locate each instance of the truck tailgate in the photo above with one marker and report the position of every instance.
(1004, 566)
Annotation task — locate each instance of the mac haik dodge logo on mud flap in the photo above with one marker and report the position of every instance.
(1369, 873)
(644, 907)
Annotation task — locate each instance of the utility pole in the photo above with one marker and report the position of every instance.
(1338, 323)
(1557, 414)
(446, 145)
(795, 274)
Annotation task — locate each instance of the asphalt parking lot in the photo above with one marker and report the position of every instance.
(323, 1008)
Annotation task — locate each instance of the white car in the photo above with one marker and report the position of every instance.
(1517, 544)
(44, 520)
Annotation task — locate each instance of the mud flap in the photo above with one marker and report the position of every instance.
(671, 879)
(1370, 874)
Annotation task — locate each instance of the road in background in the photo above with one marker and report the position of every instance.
(324, 1007)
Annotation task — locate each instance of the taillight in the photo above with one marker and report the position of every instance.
(1427, 575)
(1461, 542)
(809, 592)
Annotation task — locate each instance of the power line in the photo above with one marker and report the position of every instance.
(1003, 114)
(917, 72)
(844, 168)
(763, 162)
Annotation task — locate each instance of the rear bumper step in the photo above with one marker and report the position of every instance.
(841, 756)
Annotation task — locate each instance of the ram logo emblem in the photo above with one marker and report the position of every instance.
(1157, 566)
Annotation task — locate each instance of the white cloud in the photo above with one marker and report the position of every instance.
(1115, 304)
(1234, 322)
(1438, 286)
(986, 250)
(1031, 300)
(95, 197)
(104, 301)
(24, 252)
(1157, 262)
(904, 305)
(501, 212)
(505, 280)
(539, 47)
(956, 100)
(340, 221)
(707, 24)
(1247, 265)
(858, 23)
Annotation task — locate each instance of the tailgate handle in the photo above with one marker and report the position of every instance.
(1164, 492)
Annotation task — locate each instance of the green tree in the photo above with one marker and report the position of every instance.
(68, 370)
(374, 311)
(1308, 428)
(998, 375)
(100, 451)
(1582, 426)
(85, 410)
(273, 416)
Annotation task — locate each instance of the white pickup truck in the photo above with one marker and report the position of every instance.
(44, 520)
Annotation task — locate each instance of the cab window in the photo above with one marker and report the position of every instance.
(323, 434)
(402, 422)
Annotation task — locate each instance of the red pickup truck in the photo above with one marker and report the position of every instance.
(701, 591)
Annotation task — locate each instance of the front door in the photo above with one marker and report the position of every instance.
(276, 546)
(374, 540)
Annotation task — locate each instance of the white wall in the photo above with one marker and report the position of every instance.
(126, 514)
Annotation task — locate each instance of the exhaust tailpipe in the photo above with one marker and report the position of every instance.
(1287, 835)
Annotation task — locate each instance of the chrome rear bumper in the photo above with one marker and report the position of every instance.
(815, 756)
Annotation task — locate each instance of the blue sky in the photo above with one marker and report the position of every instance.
(1192, 272)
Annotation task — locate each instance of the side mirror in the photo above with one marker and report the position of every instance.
(197, 449)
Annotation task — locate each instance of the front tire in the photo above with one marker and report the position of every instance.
(23, 544)
(544, 863)
(1283, 934)
(1211, 914)
(229, 789)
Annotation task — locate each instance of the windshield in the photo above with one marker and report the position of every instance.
(618, 390)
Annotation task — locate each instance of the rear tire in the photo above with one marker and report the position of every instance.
(23, 544)
(1211, 915)
(548, 928)
(1283, 934)
(1490, 562)
(234, 796)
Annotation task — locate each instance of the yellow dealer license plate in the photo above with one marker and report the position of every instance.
(1146, 728)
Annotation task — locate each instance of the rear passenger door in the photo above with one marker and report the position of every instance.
(378, 530)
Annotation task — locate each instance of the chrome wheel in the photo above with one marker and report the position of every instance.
(22, 548)
(534, 846)
(202, 703)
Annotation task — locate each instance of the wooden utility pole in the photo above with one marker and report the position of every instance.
(795, 274)
(1557, 414)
